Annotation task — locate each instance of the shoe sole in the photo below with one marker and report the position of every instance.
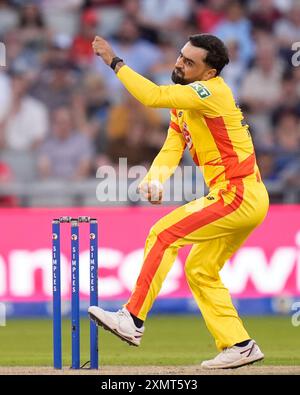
(244, 364)
(107, 328)
(235, 366)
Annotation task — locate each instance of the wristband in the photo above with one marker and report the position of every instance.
(115, 61)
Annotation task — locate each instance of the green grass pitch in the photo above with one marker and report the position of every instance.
(168, 340)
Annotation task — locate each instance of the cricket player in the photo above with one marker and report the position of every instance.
(206, 120)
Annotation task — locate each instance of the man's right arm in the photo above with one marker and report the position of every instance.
(168, 158)
(194, 96)
(152, 95)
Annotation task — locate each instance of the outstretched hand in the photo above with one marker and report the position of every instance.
(103, 49)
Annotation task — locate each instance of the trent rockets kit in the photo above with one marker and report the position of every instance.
(206, 120)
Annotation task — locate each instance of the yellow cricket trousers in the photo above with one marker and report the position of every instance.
(216, 225)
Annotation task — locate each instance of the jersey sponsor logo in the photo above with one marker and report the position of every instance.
(201, 90)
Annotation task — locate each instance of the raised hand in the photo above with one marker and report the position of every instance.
(103, 49)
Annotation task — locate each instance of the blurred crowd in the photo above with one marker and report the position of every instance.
(62, 106)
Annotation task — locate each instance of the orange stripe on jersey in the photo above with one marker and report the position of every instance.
(174, 112)
(195, 159)
(168, 236)
(174, 126)
(194, 155)
(232, 167)
(246, 167)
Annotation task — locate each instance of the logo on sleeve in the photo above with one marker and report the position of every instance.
(201, 90)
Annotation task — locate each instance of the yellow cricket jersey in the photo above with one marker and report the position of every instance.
(206, 119)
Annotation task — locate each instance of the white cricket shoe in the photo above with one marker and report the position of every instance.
(119, 323)
(234, 357)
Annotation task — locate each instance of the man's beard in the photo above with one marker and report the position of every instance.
(178, 78)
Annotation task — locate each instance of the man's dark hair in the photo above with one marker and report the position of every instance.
(217, 54)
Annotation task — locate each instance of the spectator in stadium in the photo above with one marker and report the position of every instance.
(58, 51)
(287, 140)
(160, 71)
(61, 16)
(168, 16)
(266, 163)
(134, 132)
(289, 99)
(235, 72)
(81, 49)
(8, 16)
(291, 179)
(140, 54)
(32, 25)
(287, 29)
(67, 154)
(55, 84)
(210, 14)
(261, 90)
(25, 123)
(237, 26)
(264, 14)
(18, 55)
(90, 106)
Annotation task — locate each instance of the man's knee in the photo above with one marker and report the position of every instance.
(155, 237)
(195, 273)
(164, 237)
(192, 272)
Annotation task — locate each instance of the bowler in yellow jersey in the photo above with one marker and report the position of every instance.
(206, 120)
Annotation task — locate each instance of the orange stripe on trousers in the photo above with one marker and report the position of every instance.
(175, 232)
